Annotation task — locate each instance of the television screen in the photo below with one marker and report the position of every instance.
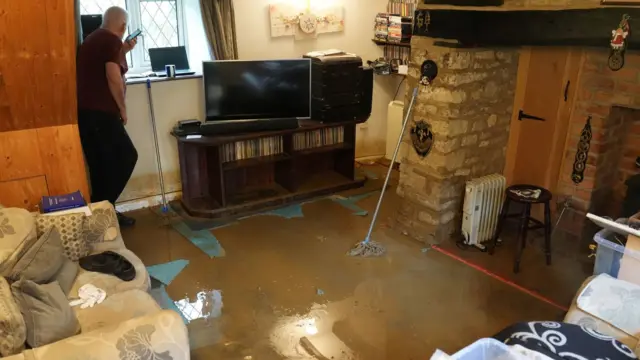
(237, 89)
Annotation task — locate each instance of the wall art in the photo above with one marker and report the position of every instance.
(421, 138)
(302, 22)
(580, 162)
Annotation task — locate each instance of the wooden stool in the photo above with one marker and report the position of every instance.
(522, 194)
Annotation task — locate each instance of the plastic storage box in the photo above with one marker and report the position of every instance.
(609, 252)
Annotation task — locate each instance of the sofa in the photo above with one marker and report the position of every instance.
(611, 306)
(128, 324)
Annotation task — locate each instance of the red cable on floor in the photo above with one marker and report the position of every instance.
(499, 278)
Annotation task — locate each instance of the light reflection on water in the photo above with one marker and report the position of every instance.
(208, 304)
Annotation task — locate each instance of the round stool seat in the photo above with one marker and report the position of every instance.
(532, 194)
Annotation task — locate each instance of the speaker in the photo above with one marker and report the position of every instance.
(353, 105)
(89, 24)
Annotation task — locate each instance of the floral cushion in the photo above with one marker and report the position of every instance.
(594, 308)
(161, 336)
(111, 284)
(115, 309)
(13, 330)
(614, 301)
(102, 225)
(17, 235)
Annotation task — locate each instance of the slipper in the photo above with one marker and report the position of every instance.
(110, 263)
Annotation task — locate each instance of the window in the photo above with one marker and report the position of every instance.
(161, 22)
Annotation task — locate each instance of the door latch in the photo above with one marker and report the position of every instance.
(522, 115)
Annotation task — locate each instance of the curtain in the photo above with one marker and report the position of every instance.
(219, 22)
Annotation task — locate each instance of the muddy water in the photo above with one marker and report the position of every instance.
(284, 279)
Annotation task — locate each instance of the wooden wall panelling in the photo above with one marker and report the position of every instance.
(63, 160)
(61, 28)
(37, 63)
(23, 193)
(19, 155)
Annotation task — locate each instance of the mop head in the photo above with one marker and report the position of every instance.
(367, 249)
(167, 216)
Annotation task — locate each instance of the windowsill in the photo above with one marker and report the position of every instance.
(136, 80)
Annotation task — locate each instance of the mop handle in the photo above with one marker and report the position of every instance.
(393, 160)
(155, 140)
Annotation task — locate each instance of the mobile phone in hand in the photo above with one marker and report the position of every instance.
(133, 35)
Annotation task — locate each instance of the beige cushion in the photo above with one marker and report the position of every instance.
(46, 312)
(70, 228)
(17, 234)
(116, 309)
(42, 261)
(102, 225)
(13, 331)
(111, 284)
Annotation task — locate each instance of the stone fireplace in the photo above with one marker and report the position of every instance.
(469, 108)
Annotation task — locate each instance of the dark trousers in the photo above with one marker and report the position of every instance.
(109, 153)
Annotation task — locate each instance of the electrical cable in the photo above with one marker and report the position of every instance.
(398, 90)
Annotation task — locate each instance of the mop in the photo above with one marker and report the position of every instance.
(166, 214)
(368, 247)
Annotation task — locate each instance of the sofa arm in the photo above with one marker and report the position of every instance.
(162, 335)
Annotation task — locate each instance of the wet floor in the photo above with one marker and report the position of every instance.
(284, 279)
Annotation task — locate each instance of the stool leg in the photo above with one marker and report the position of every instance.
(501, 220)
(522, 235)
(547, 231)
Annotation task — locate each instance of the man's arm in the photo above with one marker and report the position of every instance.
(116, 86)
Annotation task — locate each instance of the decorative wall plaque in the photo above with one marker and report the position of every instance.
(580, 162)
(619, 44)
(428, 72)
(421, 138)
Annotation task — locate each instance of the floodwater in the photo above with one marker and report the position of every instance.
(285, 279)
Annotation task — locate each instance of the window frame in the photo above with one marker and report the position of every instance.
(138, 62)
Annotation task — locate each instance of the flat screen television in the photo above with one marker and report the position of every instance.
(265, 89)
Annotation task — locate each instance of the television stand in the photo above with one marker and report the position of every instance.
(233, 175)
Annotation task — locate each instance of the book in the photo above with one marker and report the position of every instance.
(86, 210)
(62, 202)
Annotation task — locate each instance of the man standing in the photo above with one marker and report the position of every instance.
(102, 113)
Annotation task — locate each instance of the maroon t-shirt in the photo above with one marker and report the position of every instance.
(100, 47)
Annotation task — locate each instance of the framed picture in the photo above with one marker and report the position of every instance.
(620, 2)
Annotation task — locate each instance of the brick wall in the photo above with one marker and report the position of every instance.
(471, 130)
(608, 97)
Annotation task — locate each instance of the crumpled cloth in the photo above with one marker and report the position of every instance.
(89, 296)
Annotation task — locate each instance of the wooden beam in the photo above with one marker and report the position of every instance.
(577, 27)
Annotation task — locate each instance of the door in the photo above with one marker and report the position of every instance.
(545, 91)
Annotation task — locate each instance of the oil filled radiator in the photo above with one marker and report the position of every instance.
(482, 205)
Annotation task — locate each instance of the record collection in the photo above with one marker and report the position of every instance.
(318, 138)
(247, 149)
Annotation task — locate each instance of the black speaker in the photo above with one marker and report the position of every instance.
(352, 102)
(90, 23)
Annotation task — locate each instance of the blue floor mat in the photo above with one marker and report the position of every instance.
(167, 272)
(202, 239)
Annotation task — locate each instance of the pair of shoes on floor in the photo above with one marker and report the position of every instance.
(110, 263)
(125, 221)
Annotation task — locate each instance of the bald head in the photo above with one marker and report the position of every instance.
(115, 20)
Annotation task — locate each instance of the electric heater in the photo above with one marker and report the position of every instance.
(482, 205)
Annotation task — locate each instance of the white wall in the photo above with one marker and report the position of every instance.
(255, 42)
(172, 101)
(183, 99)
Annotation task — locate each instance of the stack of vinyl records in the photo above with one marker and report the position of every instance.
(341, 88)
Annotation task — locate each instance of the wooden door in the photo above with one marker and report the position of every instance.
(544, 90)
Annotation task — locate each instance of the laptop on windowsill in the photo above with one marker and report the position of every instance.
(160, 57)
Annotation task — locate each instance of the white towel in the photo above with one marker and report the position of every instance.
(89, 296)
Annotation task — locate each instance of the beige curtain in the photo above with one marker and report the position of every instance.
(219, 22)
